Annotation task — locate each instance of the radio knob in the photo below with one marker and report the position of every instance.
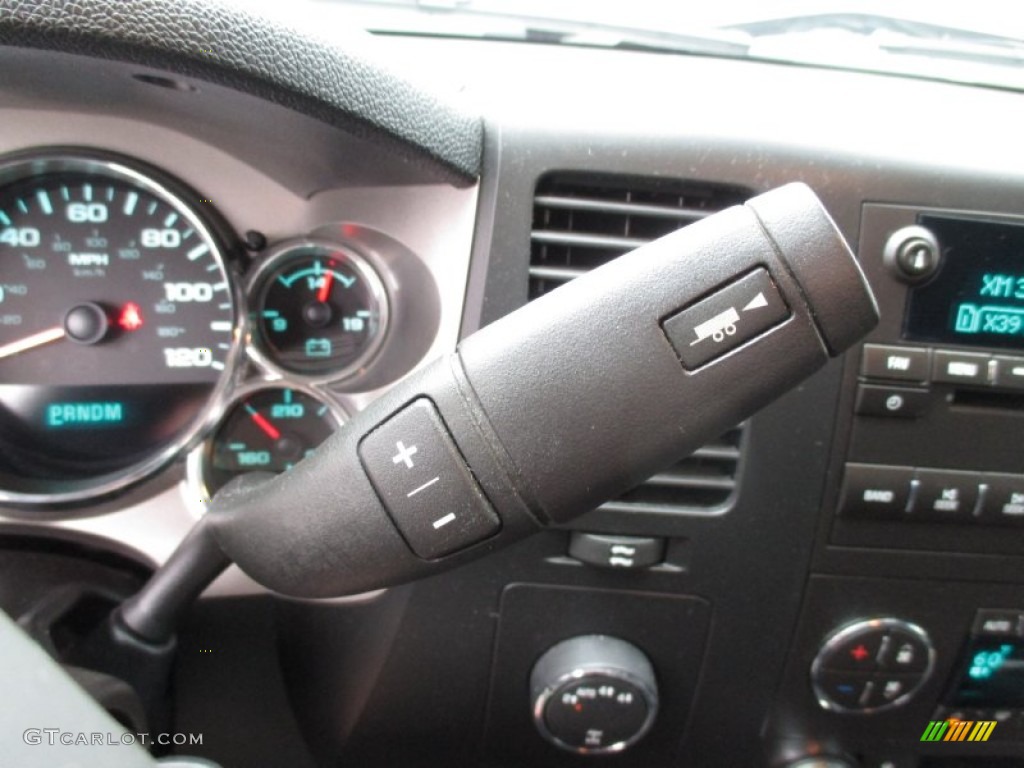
(912, 254)
(593, 695)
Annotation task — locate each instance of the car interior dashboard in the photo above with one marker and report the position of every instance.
(212, 257)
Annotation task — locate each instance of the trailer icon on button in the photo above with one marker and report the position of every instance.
(724, 324)
(726, 319)
(718, 327)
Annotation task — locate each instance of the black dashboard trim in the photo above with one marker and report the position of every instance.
(341, 86)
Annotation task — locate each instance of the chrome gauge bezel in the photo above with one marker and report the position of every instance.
(157, 183)
(276, 257)
(195, 481)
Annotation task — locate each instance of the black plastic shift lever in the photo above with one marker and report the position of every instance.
(545, 414)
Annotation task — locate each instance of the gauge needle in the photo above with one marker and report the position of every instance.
(325, 288)
(48, 336)
(272, 432)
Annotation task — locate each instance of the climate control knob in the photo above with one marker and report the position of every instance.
(593, 694)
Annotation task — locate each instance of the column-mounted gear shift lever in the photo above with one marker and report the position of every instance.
(543, 415)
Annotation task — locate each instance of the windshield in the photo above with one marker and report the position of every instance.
(973, 42)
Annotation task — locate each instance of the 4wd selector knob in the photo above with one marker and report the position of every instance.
(593, 694)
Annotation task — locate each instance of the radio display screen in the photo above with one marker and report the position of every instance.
(992, 675)
(977, 296)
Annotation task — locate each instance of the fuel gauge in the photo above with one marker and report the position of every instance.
(267, 430)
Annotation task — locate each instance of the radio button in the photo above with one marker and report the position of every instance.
(901, 363)
(891, 402)
(871, 491)
(1004, 502)
(959, 367)
(1009, 372)
(948, 496)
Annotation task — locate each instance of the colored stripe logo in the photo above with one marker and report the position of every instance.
(958, 730)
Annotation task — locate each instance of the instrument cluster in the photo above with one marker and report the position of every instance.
(136, 328)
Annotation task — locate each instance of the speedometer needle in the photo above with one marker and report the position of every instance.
(48, 336)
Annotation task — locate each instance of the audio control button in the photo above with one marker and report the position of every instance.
(959, 367)
(1009, 372)
(875, 492)
(912, 254)
(881, 361)
(946, 496)
(1004, 499)
(891, 402)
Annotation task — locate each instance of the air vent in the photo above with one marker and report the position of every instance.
(581, 222)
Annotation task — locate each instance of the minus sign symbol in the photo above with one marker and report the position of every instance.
(441, 522)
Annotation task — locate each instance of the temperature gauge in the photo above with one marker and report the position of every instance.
(321, 310)
(267, 430)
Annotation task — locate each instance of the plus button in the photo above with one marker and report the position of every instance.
(404, 454)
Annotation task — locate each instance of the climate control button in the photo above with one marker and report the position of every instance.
(860, 651)
(904, 652)
(871, 665)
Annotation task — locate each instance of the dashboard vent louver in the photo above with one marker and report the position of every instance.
(582, 221)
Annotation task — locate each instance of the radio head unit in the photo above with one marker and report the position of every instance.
(976, 296)
(932, 410)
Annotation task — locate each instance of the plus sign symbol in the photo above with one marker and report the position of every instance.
(859, 653)
(404, 455)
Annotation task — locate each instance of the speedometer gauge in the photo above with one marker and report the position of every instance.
(117, 326)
